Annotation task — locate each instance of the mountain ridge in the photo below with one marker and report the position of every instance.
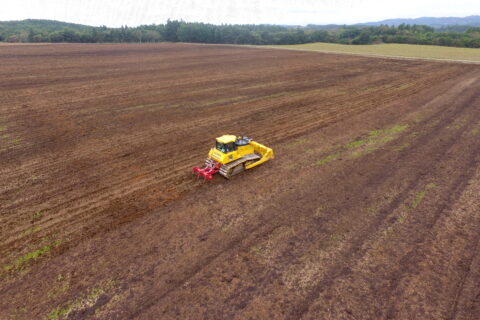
(435, 22)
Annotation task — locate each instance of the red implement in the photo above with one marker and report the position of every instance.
(211, 167)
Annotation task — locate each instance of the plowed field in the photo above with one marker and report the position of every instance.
(370, 210)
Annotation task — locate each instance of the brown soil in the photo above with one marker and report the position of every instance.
(370, 209)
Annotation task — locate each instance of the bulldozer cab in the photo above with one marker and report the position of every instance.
(226, 144)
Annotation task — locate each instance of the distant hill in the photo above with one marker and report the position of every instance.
(436, 23)
(50, 25)
(33, 30)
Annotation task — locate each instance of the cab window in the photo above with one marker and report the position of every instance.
(225, 147)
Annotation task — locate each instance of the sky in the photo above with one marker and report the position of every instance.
(115, 13)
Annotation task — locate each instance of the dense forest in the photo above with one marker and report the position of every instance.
(179, 31)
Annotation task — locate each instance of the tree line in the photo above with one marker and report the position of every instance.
(179, 31)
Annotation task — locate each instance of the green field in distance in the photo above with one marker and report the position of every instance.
(391, 50)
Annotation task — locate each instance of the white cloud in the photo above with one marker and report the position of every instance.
(136, 12)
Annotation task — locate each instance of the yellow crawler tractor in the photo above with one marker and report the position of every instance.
(232, 155)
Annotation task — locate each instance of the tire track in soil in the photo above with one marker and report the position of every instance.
(411, 263)
(460, 290)
(357, 252)
(393, 205)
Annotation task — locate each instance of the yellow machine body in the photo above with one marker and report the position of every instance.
(227, 150)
